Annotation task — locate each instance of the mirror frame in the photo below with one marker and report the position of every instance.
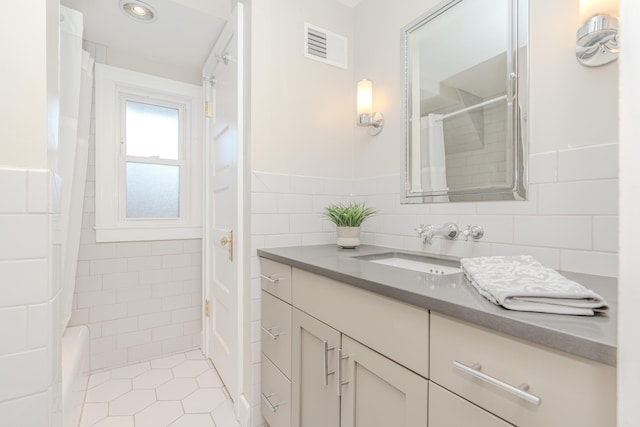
(517, 88)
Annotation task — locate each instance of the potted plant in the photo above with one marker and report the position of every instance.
(348, 219)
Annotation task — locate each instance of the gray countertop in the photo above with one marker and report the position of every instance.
(591, 337)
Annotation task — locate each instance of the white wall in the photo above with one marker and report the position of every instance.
(571, 105)
(23, 104)
(302, 110)
(629, 291)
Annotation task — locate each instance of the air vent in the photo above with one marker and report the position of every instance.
(325, 46)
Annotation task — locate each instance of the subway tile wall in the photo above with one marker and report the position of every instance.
(29, 293)
(140, 299)
(569, 222)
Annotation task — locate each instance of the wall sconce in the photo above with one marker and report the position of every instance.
(597, 40)
(366, 115)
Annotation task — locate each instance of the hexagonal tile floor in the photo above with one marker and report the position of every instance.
(181, 390)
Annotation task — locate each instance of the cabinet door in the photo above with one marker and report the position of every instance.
(377, 392)
(314, 353)
(448, 410)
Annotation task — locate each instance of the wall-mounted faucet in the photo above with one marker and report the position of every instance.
(474, 231)
(449, 231)
(427, 232)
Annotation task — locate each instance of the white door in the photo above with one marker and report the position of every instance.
(223, 246)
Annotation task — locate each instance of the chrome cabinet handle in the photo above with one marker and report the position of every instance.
(269, 331)
(520, 391)
(325, 362)
(269, 279)
(272, 406)
(340, 382)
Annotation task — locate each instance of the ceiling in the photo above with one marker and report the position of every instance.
(183, 34)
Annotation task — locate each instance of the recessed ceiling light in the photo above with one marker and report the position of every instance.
(138, 10)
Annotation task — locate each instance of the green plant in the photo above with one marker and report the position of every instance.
(351, 215)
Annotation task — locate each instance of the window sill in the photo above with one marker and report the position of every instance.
(137, 234)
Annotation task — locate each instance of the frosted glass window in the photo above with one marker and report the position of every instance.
(152, 130)
(153, 191)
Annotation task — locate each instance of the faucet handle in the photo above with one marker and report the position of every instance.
(421, 229)
(474, 231)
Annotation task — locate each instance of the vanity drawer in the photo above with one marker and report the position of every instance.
(448, 410)
(276, 332)
(573, 391)
(275, 395)
(398, 330)
(275, 278)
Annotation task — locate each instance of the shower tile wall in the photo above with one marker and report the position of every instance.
(29, 292)
(140, 299)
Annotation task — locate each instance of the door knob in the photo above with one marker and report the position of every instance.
(224, 241)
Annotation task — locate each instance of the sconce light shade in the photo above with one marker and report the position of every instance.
(597, 40)
(365, 97)
(364, 108)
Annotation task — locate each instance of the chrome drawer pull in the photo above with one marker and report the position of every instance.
(269, 331)
(270, 279)
(520, 391)
(325, 362)
(272, 406)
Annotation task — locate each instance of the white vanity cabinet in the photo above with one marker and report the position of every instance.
(335, 355)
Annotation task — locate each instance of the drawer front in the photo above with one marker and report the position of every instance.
(487, 368)
(448, 410)
(276, 332)
(275, 278)
(398, 330)
(275, 395)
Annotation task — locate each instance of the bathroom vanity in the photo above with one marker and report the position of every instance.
(350, 342)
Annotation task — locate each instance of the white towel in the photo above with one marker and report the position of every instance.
(522, 283)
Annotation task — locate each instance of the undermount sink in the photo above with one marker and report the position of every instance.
(414, 262)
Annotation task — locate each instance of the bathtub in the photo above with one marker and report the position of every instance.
(75, 373)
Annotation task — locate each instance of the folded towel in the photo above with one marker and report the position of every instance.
(522, 283)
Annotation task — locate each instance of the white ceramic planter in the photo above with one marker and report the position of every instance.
(348, 237)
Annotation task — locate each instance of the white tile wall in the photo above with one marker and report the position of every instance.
(569, 221)
(139, 299)
(29, 349)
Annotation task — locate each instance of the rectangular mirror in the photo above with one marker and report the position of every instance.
(465, 92)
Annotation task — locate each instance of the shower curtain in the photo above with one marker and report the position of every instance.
(76, 87)
(434, 171)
